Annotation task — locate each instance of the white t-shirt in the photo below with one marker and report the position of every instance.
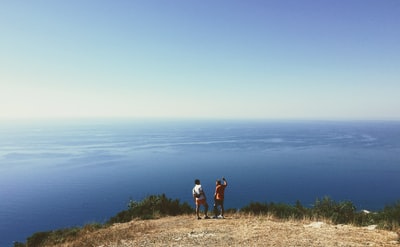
(197, 191)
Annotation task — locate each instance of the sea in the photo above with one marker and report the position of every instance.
(59, 174)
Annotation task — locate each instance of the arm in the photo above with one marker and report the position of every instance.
(225, 182)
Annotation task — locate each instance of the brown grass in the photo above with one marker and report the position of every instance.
(235, 230)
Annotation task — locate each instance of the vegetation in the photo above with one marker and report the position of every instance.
(57, 236)
(151, 207)
(327, 209)
(155, 206)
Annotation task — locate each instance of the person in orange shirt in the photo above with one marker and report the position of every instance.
(219, 197)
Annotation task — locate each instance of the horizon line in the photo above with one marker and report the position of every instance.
(255, 119)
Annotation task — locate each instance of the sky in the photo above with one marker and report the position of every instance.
(219, 59)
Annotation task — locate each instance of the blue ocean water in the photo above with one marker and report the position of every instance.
(62, 174)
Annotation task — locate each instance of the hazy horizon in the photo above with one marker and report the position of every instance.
(323, 60)
(50, 120)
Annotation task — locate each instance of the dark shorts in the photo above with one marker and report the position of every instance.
(218, 202)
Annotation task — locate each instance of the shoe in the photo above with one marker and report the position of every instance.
(221, 217)
(199, 218)
(215, 217)
(206, 217)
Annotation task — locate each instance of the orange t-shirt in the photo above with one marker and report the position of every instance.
(219, 191)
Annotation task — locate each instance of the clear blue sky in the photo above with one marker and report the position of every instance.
(282, 59)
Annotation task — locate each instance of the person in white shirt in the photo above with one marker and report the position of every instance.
(200, 199)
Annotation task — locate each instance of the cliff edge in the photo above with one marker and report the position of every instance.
(234, 230)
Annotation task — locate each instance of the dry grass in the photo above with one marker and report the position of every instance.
(235, 230)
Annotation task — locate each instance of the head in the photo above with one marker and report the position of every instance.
(196, 181)
(218, 182)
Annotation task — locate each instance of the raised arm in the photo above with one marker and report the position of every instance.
(225, 182)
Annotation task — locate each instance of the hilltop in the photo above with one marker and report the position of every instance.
(234, 230)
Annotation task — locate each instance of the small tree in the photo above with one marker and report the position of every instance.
(339, 213)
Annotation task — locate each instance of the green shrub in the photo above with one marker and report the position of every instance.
(19, 244)
(279, 210)
(389, 217)
(151, 207)
(285, 211)
(256, 208)
(37, 239)
(339, 213)
(52, 237)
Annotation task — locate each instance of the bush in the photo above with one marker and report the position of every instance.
(256, 208)
(366, 219)
(389, 218)
(285, 211)
(52, 237)
(279, 210)
(37, 239)
(151, 207)
(339, 213)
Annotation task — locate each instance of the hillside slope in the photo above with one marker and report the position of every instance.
(235, 230)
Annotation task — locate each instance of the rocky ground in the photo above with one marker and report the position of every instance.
(235, 230)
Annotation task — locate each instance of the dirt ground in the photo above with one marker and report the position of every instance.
(236, 230)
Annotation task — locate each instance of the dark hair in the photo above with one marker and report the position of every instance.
(218, 181)
(197, 181)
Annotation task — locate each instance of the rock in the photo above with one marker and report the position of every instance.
(317, 224)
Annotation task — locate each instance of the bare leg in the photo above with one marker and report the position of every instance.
(197, 210)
